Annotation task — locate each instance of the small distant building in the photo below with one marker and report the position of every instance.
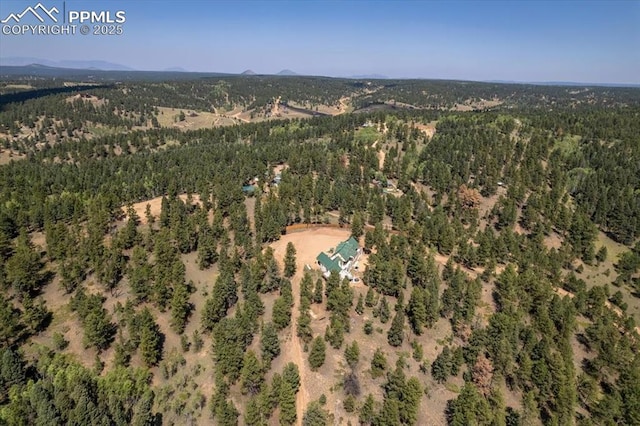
(248, 189)
(341, 260)
(250, 186)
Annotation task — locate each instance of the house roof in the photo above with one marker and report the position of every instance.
(328, 263)
(347, 249)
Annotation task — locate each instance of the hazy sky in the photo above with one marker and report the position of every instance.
(595, 41)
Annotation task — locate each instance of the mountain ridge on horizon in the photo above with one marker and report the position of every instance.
(106, 66)
(21, 61)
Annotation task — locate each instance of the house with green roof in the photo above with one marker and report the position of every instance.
(340, 260)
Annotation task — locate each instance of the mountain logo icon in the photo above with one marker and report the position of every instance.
(38, 11)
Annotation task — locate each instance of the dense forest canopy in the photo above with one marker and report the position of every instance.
(500, 235)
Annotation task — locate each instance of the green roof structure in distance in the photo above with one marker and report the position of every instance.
(347, 249)
(328, 263)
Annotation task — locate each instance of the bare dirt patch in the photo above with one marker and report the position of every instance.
(19, 86)
(94, 100)
(7, 155)
(309, 243)
(487, 203)
(470, 105)
(381, 157)
(193, 120)
(155, 206)
(278, 169)
(427, 129)
(553, 240)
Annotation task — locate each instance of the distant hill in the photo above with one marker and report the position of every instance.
(287, 72)
(248, 72)
(93, 74)
(565, 83)
(100, 65)
(370, 76)
(71, 64)
(175, 69)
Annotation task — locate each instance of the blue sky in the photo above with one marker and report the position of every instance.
(594, 41)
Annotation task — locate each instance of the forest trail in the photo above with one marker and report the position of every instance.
(344, 104)
(381, 157)
(238, 117)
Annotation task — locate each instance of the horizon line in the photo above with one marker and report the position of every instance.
(357, 76)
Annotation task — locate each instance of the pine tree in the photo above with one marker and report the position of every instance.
(129, 234)
(254, 415)
(197, 340)
(441, 367)
(416, 310)
(378, 363)
(271, 277)
(317, 353)
(601, 255)
(291, 375)
(383, 311)
(5, 246)
(140, 275)
(207, 247)
(411, 396)
(357, 225)
(306, 290)
(150, 338)
(468, 408)
(334, 332)
(360, 305)
(180, 307)
(143, 410)
(35, 315)
(317, 292)
(370, 299)
(165, 257)
(269, 343)
(227, 414)
(23, 268)
(288, 413)
(252, 375)
(281, 315)
(315, 415)
(148, 216)
(73, 272)
(112, 267)
(290, 261)
(367, 411)
(223, 297)
(98, 329)
(12, 371)
(304, 330)
(352, 354)
(390, 413)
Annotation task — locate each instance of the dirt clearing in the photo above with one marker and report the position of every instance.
(155, 206)
(309, 244)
